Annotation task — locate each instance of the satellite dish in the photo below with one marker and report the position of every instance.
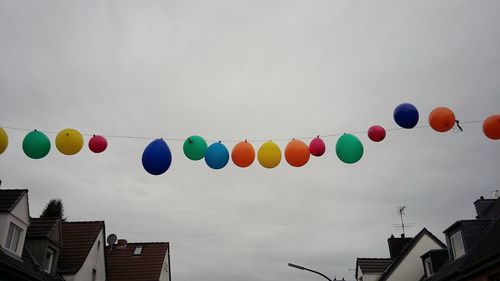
(111, 239)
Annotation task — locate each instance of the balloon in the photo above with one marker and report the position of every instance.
(195, 147)
(156, 158)
(491, 127)
(69, 141)
(269, 155)
(317, 147)
(376, 133)
(297, 153)
(441, 119)
(406, 115)
(4, 140)
(36, 145)
(98, 144)
(349, 149)
(217, 156)
(243, 154)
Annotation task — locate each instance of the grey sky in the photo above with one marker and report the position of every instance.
(253, 69)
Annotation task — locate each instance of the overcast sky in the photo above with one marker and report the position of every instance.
(231, 70)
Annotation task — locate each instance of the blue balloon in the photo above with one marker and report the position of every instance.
(406, 115)
(156, 158)
(217, 156)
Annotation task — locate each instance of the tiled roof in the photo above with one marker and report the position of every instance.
(40, 227)
(373, 265)
(77, 239)
(123, 265)
(22, 269)
(9, 198)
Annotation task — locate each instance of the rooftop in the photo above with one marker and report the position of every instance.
(77, 239)
(123, 265)
(373, 265)
(9, 198)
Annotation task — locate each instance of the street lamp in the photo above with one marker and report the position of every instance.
(304, 268)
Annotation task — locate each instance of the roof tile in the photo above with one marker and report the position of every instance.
(123, 265)
(77, 239)
(9, 198)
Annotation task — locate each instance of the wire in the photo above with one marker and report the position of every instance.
(233, 140)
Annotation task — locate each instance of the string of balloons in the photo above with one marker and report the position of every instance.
(157, 157)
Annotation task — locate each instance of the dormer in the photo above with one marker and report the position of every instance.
(43, 239)
(14, 220)
(461, 235)
(433, 260)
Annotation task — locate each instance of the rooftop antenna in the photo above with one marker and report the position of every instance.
(401, 212)
(111, 240)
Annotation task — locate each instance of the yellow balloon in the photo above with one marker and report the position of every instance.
(4, 140)
(69, 141)
(269, 155)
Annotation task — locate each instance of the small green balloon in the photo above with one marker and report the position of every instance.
(349, 149)
(195, 147)
(36, 145)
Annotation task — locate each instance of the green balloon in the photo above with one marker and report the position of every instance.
(195, 147)
(349, 149)
(36, 145)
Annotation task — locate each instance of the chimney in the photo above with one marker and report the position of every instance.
(122, 244)
(482, 206)
(397, 244)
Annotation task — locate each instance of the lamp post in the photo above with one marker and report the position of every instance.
(304, 268)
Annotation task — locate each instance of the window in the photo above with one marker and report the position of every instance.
(138, 250)
(49, 258)
(457, 245)
(13, 237)
(428, 267)
(98, 244)
(94, 274)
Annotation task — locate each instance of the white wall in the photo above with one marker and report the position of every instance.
(411, 267)
(164, 275)
(94, 260)
(20, 217)
(369, 276)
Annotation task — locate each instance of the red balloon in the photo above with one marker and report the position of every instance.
(98, 144)
(317, 147)
(376, 133)
(491, 127)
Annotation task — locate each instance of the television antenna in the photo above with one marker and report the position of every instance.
(401, 212)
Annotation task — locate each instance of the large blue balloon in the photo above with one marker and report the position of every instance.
(156, 158)
(406, 115)
(217, 156)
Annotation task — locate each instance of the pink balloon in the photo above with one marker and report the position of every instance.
(376, 133)
(98, 144)
(317, 147)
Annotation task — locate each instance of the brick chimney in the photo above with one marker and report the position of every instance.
(397, 244)
(121, 244)
(482, 206)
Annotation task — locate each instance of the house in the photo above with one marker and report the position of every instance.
(370, 269)
(82, 256)
(404, 262)
(473, 247)
(17, 262)
(144, 261)
(51, 249)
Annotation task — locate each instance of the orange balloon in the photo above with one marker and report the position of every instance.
(491, 127)
(442, 119)
(243, 154)
(297, 153)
